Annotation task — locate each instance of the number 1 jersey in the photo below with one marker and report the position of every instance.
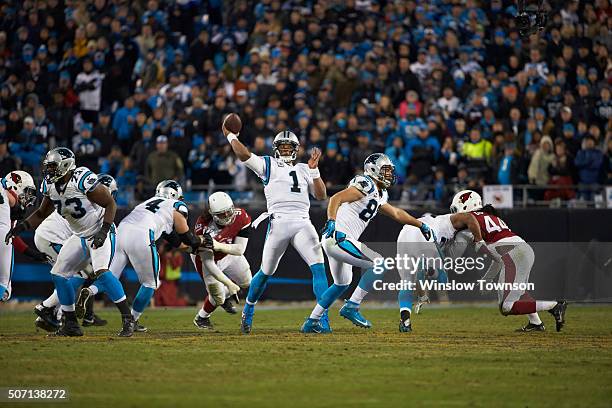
(354, 217)
(156, 214)
(286, 187)
(84, 217)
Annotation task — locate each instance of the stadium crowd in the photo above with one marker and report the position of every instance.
(446, 88)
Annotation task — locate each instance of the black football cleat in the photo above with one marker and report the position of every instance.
(532, 328)
(245, 324)
(128, 327)
(70, 328)
(202, 322)
(405, 326)
(139, 328)
(81, 303)
(41, 324)
(93, 320)
(558, 313)
(47, 315)
(229, 306)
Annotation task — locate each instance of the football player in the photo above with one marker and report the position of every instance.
(49, 238)
(224, 270)
(17, 189)
(89, 208)
(136, 242)
(348, 214)
(287, 185)
(513, 259)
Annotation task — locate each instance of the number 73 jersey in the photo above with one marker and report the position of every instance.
(71, 202)
(156, 215)
(354, 217)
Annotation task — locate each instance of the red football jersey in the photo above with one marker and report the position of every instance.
(225, 234)
(492, 228)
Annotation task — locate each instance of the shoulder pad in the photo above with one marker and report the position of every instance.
(363, 184)
(181, 207)
(86, 179)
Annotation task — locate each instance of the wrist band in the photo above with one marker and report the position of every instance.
(231, 137)
(315, 173)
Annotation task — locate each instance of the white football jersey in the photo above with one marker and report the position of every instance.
(286, 187)
(84, 217)
(353, 218)
(54, 229)
(156, 214)
(5, 208)
(441, 226)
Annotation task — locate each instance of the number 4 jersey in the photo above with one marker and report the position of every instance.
(156, 214)
(492, 228)
(71, 202)
(353, 218)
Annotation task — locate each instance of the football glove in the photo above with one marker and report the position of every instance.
(207, 241)
(36, 255)
(20, 227)
(481, 248)
(100, 237)
(426, 231)
(329, 228)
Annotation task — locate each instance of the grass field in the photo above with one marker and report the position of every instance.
(455, 357)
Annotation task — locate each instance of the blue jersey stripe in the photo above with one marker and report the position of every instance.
(266, 178)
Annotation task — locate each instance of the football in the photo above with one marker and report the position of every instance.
(232, 123)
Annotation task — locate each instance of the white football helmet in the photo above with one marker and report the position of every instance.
(169, 189)
(466, 201)
(380, 168)
(57, 163)
(110, 183)
(221, 207)
(286, 137)
(21, 185)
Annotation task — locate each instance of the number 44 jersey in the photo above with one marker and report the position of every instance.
(156, 214)
(354, 217)
(492, 228)
(71, 202)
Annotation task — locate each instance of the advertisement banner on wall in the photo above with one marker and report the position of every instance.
(498, 196)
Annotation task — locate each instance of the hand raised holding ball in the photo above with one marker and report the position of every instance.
(231, 124)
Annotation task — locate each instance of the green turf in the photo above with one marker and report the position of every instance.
(455, 357)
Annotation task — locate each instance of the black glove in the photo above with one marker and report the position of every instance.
(100, 237)
(208, 241)
(37, 255)
(20, 227)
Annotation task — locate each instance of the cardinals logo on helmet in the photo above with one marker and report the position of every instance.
(464, 197)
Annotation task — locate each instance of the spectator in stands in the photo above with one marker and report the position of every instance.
(8, 162)
(141, 150)
(397, 153)
(88, 85)
(113, 163)
(562, 172)
(540, 162)
(163, 164)
(476, 150)
(589, 162)
(105, 133)
(123, 124)
(422, 153)
(29, 146)
(87, 149)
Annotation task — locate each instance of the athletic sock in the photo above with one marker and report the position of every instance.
(52, 300)
(70, 314)
(136, 315)
(331, 294)
(317, 312)
(208, 307)
(65, 292)
(358, 295)
(142, 299)
(257, 288)
(404, 298)
(542, 305)
(534, 318)
(123, 307)
(405, 315)
(94, 289)
(319, 279)
(2, 291)
(113, 287)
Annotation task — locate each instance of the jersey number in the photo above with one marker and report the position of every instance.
(295, 188)
(77, 210)
(153, 206)
(492, 227)
(369, 211)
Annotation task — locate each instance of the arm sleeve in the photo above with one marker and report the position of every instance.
(237, 248)
(19, 245)
(259, 165)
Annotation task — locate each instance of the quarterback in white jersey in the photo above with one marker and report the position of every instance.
(16, 189)
(89, 208)
(136, 242)
(287, 185)
(349, 212)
